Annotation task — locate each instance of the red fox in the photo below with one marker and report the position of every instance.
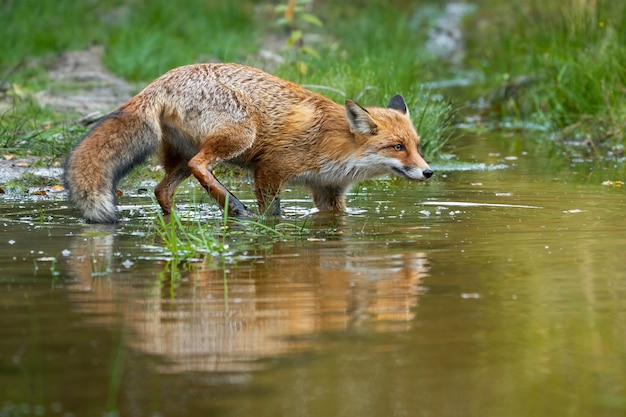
(200, 115)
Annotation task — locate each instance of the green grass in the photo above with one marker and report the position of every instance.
(142, 38)
(28, 130)
(557, 63)
(188, 240)
(368, 53)
(372, 52)
(185, 239)
(155, 36)
(550, 63)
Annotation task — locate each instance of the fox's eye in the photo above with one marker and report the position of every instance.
(398, 147)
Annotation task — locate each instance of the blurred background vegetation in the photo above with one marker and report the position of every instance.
(552, 69)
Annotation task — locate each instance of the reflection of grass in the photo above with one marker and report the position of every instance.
(116, 372)
(171, 275)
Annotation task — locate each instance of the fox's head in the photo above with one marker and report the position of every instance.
(391, 143)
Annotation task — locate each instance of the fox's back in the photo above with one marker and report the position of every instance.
(203, 100)
(226, 91)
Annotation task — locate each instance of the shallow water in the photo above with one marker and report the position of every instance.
(496, 289)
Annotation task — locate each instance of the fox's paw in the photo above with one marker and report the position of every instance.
(239, 210)
(242, 213)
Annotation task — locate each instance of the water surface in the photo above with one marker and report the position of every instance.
(496, 289)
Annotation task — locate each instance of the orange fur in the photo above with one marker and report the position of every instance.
(200, 115)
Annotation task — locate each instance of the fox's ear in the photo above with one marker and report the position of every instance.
(397, 103)
(360, 120)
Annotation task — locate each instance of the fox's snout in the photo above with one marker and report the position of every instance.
(422, 174)
(423, 168)
(412, 172)
(419, 170)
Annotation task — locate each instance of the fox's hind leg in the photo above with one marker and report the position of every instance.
(214, 149)
(176, 171)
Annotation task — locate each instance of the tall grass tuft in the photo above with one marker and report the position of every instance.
(372, 53)
(186, 239)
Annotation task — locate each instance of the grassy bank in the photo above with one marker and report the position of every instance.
(369, 53)
(555, 64)
(141, 40)
(552, 65)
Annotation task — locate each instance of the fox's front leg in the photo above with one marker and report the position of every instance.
(329, 198)
(269, 203)
(202, 164)
(267, 184)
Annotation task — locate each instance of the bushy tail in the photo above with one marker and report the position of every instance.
(108, 151)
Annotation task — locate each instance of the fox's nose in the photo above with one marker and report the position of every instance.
(427, 173)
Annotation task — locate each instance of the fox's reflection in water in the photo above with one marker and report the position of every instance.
(216, 316)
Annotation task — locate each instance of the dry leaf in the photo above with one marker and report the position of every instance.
(613, 183)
